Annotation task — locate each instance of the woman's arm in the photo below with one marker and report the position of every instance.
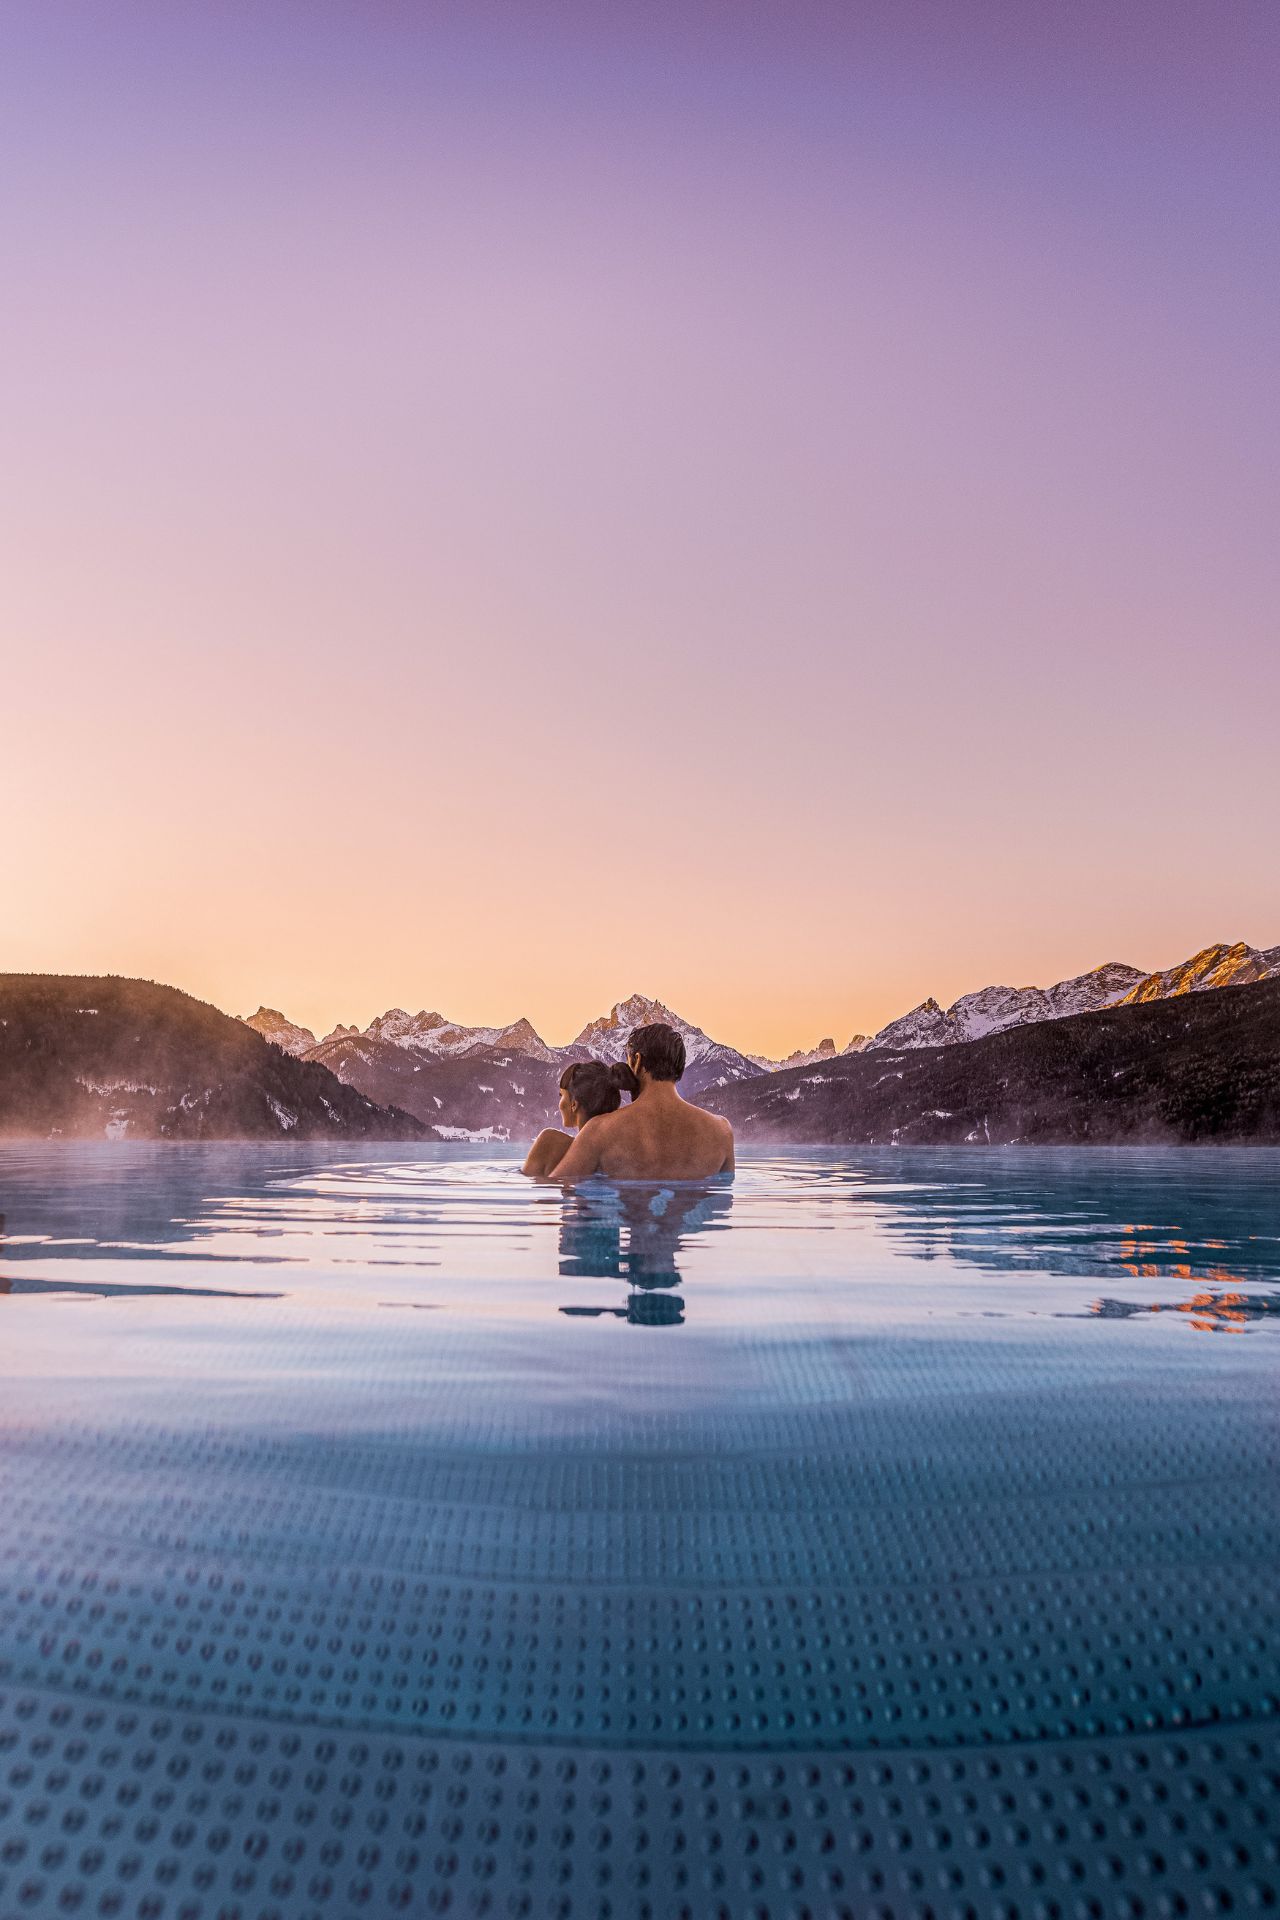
(546, 1153)
(583, 1156)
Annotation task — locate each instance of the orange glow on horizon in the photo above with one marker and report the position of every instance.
(498, 534)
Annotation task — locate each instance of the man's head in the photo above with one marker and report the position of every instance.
(657, 1052)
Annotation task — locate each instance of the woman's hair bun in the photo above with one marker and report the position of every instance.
(593, 1086)
(621, 1076)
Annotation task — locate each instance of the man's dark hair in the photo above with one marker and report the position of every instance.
(661, 1050)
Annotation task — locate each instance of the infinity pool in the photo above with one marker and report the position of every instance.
(885, 1534)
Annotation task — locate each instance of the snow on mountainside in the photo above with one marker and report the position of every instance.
(473, 1092)
(925, 1026)
(1207, 1068)
(1216, 966)
(399, 1055)
(522, 1037)
(606, 1038)
(825, 1050)
(432, 1033)
(403, 1029)
(1105, 986)
(506, 1078)
(273, 1026)
(708, 1062)
(399, 1058)
(993, 1009)
(813, 1056)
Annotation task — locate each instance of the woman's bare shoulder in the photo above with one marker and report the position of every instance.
(546, 1153)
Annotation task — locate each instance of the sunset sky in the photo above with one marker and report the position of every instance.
(508, 506)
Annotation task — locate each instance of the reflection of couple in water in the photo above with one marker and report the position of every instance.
(636, 1233)
(657, 1136)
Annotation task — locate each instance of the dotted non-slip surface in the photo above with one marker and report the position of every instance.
(117, 1812)
(849, 1596)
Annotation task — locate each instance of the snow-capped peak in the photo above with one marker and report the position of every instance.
(432, 1033)
(405, 1029)
(993, 1009)
(989, 1010)
(925, 1026)
(523, 1037)
(1217, 966)
(714, 1063)
(606, 1037)
(825, 1050)
(272, 1025)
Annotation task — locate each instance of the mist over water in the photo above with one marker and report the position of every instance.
(1019, 1235)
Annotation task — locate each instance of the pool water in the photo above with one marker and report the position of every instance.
(887, 1533)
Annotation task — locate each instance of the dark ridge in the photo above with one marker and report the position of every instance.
(1201, 1067)
(149, 1062)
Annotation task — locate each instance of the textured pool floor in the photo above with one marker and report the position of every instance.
(894, 1578)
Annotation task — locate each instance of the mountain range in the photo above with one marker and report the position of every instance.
(502, 1082)
(1114, 1053)
(993, 1009)
(486, 1083)
(1204, 1067)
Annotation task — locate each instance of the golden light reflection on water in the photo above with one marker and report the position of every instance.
(1208, 1311)
(1222, 1302)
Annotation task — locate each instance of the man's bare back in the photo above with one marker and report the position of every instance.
(659, 1136)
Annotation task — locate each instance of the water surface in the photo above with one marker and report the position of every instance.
(660, 1550)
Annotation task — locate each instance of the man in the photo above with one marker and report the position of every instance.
(659, 1136)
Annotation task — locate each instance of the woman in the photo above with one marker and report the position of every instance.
(587, 1088)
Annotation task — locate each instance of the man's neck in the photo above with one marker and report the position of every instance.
(655, 1090)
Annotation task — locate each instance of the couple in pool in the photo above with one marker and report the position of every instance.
(658, 1136)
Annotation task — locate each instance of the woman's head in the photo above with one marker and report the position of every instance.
(589, 1087)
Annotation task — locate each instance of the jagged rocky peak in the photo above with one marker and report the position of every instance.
(802, 1057)
(606, 1037)
(1102, 986)
(1220, 965)
(404, 1029)
(637, 1010)
(523, 1037)
(272, 1025)
(925, 1026)
(707, 1062)
(995, 1009)
(712, 1063)
(427, 1032)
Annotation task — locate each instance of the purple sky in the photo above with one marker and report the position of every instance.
(472, 469)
